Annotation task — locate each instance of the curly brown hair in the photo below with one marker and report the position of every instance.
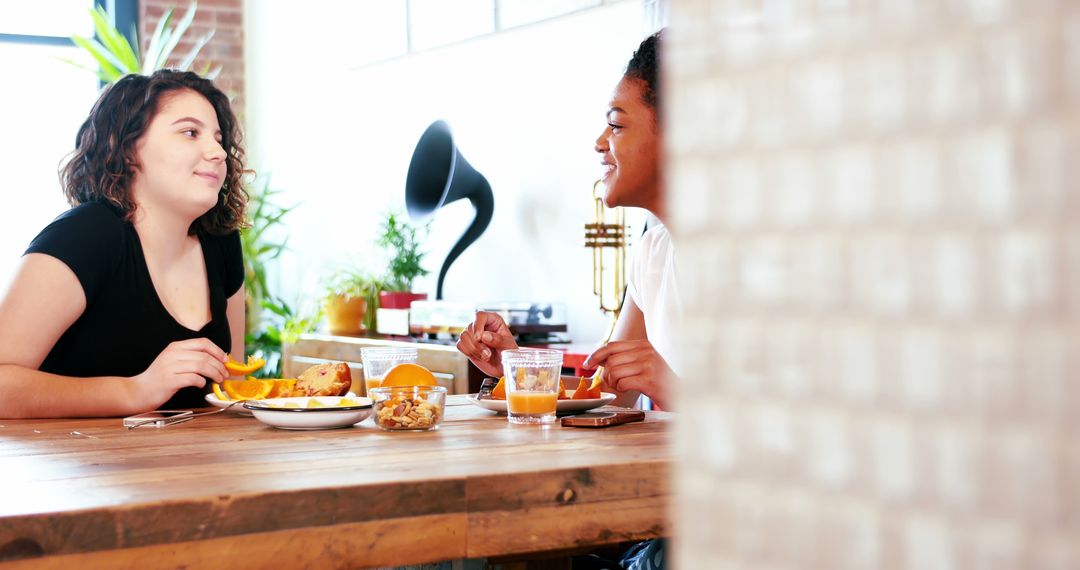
(103, 164)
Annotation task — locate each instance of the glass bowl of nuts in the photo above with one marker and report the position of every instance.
(414, 408)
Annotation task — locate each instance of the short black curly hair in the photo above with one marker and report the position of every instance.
(645, 65)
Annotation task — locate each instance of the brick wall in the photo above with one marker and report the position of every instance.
(874, 205)
(226, 48)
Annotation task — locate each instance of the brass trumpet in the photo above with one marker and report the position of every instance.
(608, 243)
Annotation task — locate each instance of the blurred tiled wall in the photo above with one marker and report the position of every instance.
(875, 206)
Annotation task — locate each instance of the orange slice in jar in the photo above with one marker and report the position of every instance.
(237, 369)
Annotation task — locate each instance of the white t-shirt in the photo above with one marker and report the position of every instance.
(652, 286)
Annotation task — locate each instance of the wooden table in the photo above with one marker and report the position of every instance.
(226, 489)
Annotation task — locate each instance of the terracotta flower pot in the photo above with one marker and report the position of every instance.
(345, 315)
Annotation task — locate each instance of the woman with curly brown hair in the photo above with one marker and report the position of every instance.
(134, 297)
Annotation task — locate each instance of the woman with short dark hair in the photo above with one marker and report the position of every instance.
(637, 360)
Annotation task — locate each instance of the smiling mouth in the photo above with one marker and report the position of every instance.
(211, 176)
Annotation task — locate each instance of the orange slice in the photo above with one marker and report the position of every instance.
(248, 389)
(499, 391)
(237, 369)
(282, 388)
(408, 374)
(594, 388)
(585, 391)
(582, 391)
(220, 395)
(562, 391)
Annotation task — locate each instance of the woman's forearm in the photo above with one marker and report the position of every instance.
(29, 393)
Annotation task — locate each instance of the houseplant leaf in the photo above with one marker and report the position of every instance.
(108, 65)
(189, 59)
(169, 43)
(116, 56)
(150, 58)
(402, 241)
(117, 45)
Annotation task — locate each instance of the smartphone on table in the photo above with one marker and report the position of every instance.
(603, 419)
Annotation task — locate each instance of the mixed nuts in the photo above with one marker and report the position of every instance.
(407, 411)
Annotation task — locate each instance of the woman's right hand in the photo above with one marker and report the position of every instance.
(183, 363)
(484, 340)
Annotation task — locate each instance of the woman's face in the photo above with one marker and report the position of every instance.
(630, 149)
(181, 162)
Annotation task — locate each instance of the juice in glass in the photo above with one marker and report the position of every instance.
(378, 360)
(532, 385)
(531, 404)
(370, 383)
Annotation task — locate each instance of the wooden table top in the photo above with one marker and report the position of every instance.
(227, 487)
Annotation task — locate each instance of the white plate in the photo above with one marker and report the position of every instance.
(272, 412)
(213, 400)
(563, 406)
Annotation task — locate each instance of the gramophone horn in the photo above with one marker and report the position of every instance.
(438, 175)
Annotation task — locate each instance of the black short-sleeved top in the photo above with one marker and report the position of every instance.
(125, 325)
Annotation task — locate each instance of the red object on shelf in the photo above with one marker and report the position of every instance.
(574, 360)
(399, 299)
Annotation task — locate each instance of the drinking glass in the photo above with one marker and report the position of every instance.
(532, 385)
(378, 360)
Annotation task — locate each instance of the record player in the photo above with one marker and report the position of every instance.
(438, 175)
(531, 323)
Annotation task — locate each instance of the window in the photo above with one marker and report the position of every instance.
(43, 101)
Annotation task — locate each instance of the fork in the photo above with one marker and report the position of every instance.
(187, 418)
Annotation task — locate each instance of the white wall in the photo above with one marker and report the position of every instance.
(526, 106)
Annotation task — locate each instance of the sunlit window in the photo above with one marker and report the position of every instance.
(43, 100)
(57, 18)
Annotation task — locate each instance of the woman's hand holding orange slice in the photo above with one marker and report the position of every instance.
(249, 389)
(237, 369)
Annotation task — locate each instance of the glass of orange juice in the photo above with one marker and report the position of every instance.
(532, 385)
(378, 360)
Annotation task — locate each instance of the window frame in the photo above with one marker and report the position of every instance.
(125, 18)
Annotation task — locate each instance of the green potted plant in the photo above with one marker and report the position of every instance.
(116, 57)
(402, 242)
(265, 217)
(350, 300)
(271, 321)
